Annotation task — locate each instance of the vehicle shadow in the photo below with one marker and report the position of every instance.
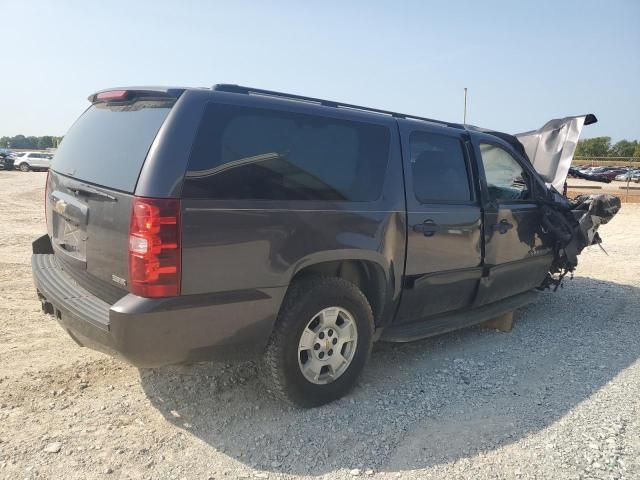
(419, 404)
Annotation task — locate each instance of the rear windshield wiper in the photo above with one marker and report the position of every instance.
(93, 191)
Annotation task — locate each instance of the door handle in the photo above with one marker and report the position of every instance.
(503, 226)
(428, 228)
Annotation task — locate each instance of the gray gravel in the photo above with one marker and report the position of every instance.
(558, 397)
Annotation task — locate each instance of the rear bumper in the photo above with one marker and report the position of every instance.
(155, 332)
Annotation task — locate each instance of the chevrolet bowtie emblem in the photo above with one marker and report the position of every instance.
(60, 206)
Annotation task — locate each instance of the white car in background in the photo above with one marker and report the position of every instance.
(631, 175)
(27, 161)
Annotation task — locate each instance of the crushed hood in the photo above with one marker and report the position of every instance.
(551, 147)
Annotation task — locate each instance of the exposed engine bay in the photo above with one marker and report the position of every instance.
(574, 226)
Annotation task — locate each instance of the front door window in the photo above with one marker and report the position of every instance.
(506, 179)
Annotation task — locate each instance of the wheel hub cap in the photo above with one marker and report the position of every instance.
(327, 345)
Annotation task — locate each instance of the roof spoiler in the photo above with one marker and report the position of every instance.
(127, 94)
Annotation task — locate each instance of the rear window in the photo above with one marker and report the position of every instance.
(251, 153)
(107, 145)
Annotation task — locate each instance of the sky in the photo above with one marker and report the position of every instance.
(524, 62)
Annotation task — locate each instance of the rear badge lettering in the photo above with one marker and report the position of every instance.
(118, 280)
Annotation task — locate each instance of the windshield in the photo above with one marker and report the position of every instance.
(108, 144)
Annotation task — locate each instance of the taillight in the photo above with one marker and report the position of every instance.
(154, 247)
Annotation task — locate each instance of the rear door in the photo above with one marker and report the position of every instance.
(91, 185)
(517, 252)
(39, 160)
(33, 159)
(444, 257)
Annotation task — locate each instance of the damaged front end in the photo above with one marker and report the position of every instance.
(573, 225)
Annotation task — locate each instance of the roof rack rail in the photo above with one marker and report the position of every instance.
(230, 88)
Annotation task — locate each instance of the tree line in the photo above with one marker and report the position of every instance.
(35, 143)
(602, 147)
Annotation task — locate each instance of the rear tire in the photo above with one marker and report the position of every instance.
(24, 167)
(320, 343)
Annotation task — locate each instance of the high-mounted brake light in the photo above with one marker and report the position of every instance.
(154, 247)
(112, 95)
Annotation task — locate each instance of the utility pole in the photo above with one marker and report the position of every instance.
(464, 117)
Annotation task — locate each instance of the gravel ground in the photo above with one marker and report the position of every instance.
(558, 397)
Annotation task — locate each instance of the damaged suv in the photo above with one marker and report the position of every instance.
(199, 224)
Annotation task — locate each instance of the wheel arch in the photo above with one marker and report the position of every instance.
(367, 272)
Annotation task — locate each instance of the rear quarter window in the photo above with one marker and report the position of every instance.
(251, 153)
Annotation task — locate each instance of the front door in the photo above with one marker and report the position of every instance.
(444, 223)
(517, 253)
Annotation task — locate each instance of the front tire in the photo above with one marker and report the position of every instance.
(321, 342)
(24, 167)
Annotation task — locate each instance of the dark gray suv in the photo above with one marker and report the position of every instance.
(200, 224)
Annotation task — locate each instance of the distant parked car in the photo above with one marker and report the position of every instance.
(632, 175)
(611, 173)
(33, 161)
(6, 159)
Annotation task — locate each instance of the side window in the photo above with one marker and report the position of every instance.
(251, 153)
(439, 169)
(506, 179)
